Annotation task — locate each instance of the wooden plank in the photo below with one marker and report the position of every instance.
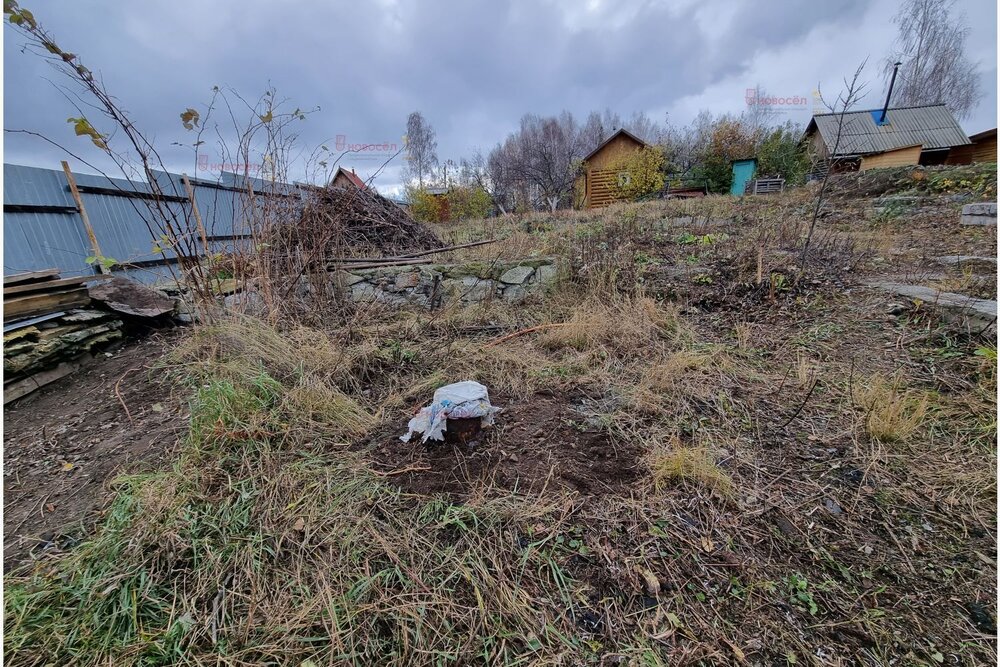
(51, 284)
(18, 278)
(95, 247)
(197, 214)
(21, 388)
(39, 304)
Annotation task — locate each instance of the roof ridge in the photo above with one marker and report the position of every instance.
(608, 140)
(913, 106)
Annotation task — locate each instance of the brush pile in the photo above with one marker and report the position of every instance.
(294, 250)
(362, 222)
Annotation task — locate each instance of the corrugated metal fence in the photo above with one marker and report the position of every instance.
(43, 227)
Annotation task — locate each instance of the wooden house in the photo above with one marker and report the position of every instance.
(899, 136)
(600, 176)
(347, 179)
(982, 149)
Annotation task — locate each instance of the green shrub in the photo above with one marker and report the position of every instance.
(462, 202)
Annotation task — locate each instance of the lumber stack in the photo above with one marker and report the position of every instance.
(41, 292)
(48, 329)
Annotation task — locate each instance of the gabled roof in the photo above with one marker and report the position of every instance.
(607, 141)
(933, 126)
(351, 176)
(985, 134)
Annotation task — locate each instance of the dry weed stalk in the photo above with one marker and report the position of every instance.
(891, 413)
(676, 463)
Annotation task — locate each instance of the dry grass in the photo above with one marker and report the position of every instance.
(891, 413)
(744, 334)
(665, 384)
(516, 368)
(264, 517)
(676, 463)
(326, 409)
(804, 371)
(621, 325)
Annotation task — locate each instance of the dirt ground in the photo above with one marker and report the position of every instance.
(65, 442)
(545, 443)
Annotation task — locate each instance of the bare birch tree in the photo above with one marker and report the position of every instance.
(931, 47)
(492, 174)
(421, 146)
(544, 156)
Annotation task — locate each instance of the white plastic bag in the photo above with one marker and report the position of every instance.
(462, 400)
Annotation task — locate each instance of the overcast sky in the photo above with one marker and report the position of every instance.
(471, 67)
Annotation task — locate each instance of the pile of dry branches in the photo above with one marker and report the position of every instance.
(363, 221)
(288, 260)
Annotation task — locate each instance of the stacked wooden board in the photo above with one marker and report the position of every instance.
(40, 292)
(48, 330)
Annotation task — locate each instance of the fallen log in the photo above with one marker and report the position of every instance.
(413, 255)
(376, 265)
(450, 248)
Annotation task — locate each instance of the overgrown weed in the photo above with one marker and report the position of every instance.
(673, 463)
(890, 412)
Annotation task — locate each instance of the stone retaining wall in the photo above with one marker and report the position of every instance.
(980, 214)
(433, 285)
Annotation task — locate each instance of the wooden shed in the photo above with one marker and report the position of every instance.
(982, 149)
(599, 175)
(899, 157)
(844, 141)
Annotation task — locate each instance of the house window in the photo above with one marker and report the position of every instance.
(624, 178)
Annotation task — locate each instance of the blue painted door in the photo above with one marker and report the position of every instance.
(742, 174)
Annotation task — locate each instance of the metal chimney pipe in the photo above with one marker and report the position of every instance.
(888, 96)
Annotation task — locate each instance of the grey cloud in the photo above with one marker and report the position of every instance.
(473, 68)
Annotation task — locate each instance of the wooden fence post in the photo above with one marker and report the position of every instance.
(197, 214)
(94, 246)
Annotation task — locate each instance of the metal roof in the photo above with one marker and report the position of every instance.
(932, 126)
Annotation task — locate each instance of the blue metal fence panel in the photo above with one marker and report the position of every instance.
(36, 241)
(43, 241)
(125, 226)
(34, 185)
